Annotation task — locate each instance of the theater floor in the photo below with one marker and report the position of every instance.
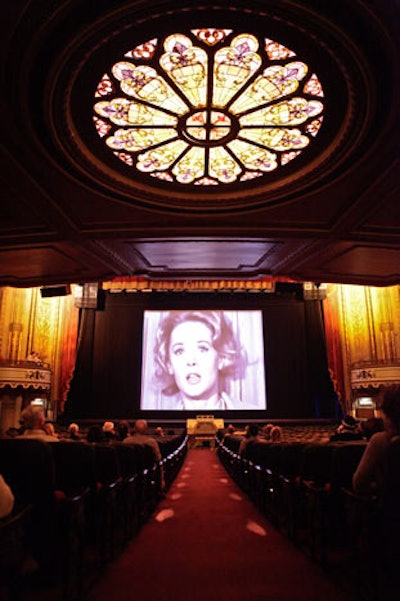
(206, 541)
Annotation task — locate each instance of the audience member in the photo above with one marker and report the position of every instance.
(373, 478)
(276, 434)
(95, 434)
(73, 431)
(370, 474)
(109, 431)
(34, 422)
(252, 435)
(230, 431)
(266, 431)
(159, 431)
(140, 435)
(6, 498)
(122, 429)
(34, 357)
(349, 429)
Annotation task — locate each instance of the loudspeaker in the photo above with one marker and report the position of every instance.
(48, 291)
(313, 291)
(289, 290)
(90, 296)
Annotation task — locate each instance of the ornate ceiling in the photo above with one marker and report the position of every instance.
(84, 200)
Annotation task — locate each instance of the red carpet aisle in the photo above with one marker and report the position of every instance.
(207, 542)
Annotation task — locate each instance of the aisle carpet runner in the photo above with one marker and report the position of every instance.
(206, 541)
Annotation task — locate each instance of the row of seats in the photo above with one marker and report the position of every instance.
(305, 490)
(79, 504)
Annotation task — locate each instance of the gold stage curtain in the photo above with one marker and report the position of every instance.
(362, 327)
(48, 326)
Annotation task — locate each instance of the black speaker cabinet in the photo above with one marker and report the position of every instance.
(48, 291)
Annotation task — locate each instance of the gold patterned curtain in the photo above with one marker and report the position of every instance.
(362, 327)
(46, 326)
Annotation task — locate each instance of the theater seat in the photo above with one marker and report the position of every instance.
(289, 506)
(27, 466)
(75, 482)
(130, 463)
(314, 497)
(391, 518)
(108, 517)
(15, 551)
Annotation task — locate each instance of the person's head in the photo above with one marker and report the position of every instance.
(195, 352)
(95, 434)
(122, 429)
(349, 424)
(276, 434)
(141, 427)
(231, 429)
(267, 430)
(33, 417)
(108, 429)
(73, 430)
(390, 407)
(252, 430)
(159, 431)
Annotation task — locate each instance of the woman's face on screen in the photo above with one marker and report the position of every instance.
(193, 360)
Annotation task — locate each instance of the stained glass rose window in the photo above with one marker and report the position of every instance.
(208, 107)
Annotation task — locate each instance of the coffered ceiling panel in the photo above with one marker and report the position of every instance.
(367, 261)
(204, 254)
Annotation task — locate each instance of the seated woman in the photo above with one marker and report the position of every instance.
(197, 357)
(276, 434)
(266, 431)
(377, 475)
(369, 476)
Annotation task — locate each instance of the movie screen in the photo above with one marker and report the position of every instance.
(203, 361)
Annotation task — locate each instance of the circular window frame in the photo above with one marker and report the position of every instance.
(82, 69)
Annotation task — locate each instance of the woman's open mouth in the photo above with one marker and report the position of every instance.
(193, 378)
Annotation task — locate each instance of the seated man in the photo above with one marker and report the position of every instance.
(140, 435)
(252, 435)
(230, 431)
